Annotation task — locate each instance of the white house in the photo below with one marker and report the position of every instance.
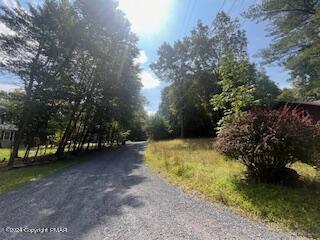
(7, 133)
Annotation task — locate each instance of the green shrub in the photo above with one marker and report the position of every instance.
(267, 142)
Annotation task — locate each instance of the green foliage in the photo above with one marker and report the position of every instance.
(138, 124)
(243, 86)
(76, 63)
(289, 95)
(194, 165)
(191, 65)
(158, 127)
(266, 91)
(211, 61)
(11, 105)
(295, 31)
(238, 89)
(267, 142)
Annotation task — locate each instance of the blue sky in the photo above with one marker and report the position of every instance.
(181, 16)
(156, 21)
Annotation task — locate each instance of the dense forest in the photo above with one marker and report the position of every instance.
(215, 63)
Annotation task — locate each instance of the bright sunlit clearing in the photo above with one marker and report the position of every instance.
(146, 16)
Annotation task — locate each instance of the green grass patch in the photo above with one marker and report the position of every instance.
(5, 152)
(195, 165)
(13, 178)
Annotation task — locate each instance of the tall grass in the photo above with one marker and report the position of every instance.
(195, 165)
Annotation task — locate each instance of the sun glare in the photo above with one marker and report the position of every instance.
(146, 16)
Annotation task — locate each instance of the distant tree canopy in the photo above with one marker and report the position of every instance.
(11, 105)
(76, 62)
(158, 127)
(195, 68)
(294, 27)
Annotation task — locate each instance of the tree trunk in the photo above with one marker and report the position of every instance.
(21, 128)
(88, 146)
(45, 148)
(26, 111)
(182, 126)
(62, 142)
(26, 155)
(100, 142)
(35, 156)
(68, 131)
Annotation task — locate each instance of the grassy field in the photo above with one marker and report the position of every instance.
(5, 152)
(194, 165)
(15, 177)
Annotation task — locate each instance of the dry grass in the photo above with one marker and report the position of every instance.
(194, 165)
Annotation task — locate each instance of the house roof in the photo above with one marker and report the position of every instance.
(316, 102)
(313, 103)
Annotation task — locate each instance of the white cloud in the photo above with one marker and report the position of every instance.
(36, 2)
(8, 87)
(146, 16)
(149, 80)
(142, 58)
(5, 30)
(149, 111)
(285, 84)
(10, 3)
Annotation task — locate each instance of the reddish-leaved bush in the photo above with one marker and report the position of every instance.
(268, 141)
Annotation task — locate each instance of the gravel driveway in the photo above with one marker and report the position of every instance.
(114, 196)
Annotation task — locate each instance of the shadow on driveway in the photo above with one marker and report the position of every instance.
(81, 199)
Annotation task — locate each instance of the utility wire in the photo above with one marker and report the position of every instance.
(232, 6)
(185, 19)
(221, 8)
(190, 16)
(241, 18)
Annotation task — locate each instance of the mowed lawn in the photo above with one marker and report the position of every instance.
(5, 152)
(196, 166)
(10, 179)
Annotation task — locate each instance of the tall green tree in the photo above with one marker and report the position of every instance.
(76, 61)
(191, 66)
(243, 87)
(294, 27)
(238, 89)
(266, 91)
(34, 53)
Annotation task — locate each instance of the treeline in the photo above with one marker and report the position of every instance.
(195, 68)
(211, 77)
(76, 62)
